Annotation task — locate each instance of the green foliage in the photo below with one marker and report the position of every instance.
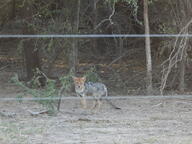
(66, 81)
(165, 28)
(20, 97)
(91, 75)
(35, 81)
(49, 92)
(46, 17)
(132, 3)
(152, 1)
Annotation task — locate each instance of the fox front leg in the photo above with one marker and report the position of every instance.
(94, 104)
(99, 104)
(83, 102)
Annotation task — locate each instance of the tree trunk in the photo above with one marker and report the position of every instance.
(73, 60)
(31, 54)
(31, 58)
(148, 49)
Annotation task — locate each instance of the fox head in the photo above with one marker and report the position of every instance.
(79, 83)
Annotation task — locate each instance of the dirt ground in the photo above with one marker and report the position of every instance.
(141, 121)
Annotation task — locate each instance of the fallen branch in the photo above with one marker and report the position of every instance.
(7, 114)
(37, 113)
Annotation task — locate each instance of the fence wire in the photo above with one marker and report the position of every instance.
(103, 98)
(92, 35)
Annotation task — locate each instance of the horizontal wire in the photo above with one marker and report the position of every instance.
(90, 97)
(91, 35)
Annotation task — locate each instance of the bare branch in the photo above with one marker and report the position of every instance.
(176, 55)
(108, 19)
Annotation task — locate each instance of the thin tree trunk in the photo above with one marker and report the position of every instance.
(182, 75)
(148, 49)
(187, 14)
(13, 10)
(94, 8)
(74, 52)
(120, 46)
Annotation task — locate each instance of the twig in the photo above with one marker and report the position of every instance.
(108, 19)
(2, 68)
(124, 54)
(115, 60)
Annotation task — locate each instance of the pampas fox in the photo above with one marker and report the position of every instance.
(97, 90)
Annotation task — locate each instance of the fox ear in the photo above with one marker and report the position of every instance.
(74, 78)
(84, 78)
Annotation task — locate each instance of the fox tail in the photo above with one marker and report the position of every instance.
(109, 102)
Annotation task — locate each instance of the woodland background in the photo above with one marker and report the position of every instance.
(120, 63)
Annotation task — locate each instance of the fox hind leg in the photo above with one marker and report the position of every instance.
(83, 102)
(98, 104)
(94, 104)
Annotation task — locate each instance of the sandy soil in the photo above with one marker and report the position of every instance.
(141, 121)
